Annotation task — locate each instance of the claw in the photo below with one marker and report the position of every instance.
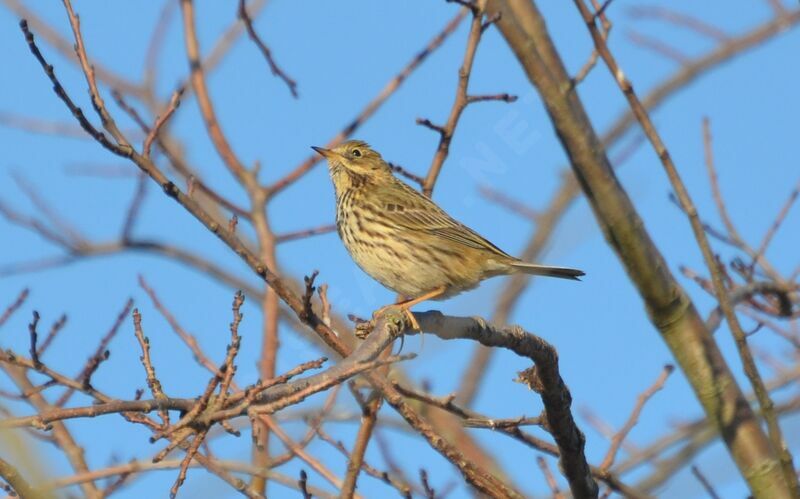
(412, 319)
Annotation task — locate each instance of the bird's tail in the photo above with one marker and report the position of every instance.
(546, 270)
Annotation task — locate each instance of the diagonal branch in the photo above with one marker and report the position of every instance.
(569, 190)
(17, 482)
(373, 105)
(543, 377)
(462, 99)
(198, 80)
(669, 307)
(750, 368)
(273, 66)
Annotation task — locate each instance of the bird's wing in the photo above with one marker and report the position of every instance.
(408, 208)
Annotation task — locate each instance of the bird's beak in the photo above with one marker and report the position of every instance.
(327, 153)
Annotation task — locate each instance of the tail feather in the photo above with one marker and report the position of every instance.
(546, 270)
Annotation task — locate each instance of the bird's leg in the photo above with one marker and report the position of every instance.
(407, 304)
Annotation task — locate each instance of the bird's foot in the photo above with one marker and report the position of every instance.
(363, 326)
(402, 307)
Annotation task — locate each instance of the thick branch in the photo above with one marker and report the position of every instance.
(670, 309)
(544, 378)
(569, 189)
(750, 368)
(17, 482)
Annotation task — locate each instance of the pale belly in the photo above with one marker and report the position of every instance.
(399, 260)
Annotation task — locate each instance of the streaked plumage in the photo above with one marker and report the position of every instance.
(403, 239)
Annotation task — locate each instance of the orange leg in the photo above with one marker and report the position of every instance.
(406, 305)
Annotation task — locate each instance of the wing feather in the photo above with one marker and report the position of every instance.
(414, 211)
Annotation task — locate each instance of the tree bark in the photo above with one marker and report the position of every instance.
(668, 306)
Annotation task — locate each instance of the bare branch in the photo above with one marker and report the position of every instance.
(659, 47)
(620, 436)
(152, 381)
(273, 66)
(678, 19)
(62, 94)
(88, 71)
(548, 475)
(775, 435)
(21, 297)
(705, 483)
(302, 234)
(17, 482)
(387, 91)
(174, 102)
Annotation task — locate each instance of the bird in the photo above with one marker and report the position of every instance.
(404, 240)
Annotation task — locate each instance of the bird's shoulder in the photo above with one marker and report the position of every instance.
(411, 209)
(400, 198)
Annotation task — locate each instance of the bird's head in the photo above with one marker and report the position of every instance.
(354, 161)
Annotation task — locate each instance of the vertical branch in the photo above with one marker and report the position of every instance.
(569, 189)
(619, 437)
(61, 435)
(201, 91)
(670, 309)
(265, 236)
(17, 482)
(269, 353)
(369, 417)
(370, 109)
(152, 380)
(88, 71)
(23, 295)
(270, 314)
(446, 132)
(717, 278)
(714, 179)
(265, 51)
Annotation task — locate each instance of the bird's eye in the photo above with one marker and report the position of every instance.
(356, 153)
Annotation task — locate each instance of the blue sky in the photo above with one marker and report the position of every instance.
(342, 54)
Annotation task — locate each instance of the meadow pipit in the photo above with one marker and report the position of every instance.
(404, 240)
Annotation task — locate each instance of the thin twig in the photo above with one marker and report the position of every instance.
(704, 482)
(714, 180)
(407, 174)
(152, 380)
(302, 234)
(369, 419)
(62, 94)
(273, 66)
(9, 311)
(387, 91)
(549, 478)
(679, 19)
(514, 206)
(88, 71)
(135, 206)
(776, 224)
(33, 335)
(659, 47)
(174, 102)
(620, 436)
(462, 98)
(57, 326)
